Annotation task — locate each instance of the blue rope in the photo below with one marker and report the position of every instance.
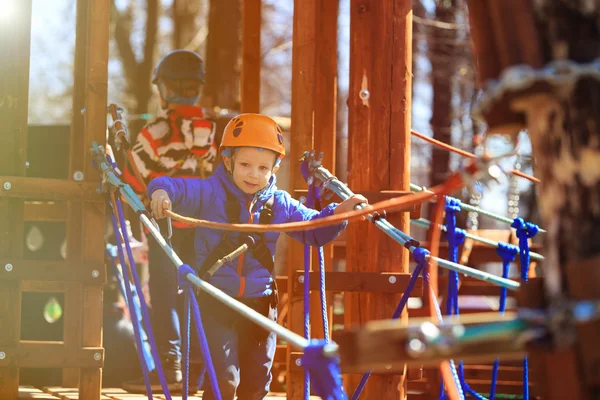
(112, 254)
(185, 348)
(507, 252)
(323, 294)
(306, 314)
(455, 237)
(182, 274)
(132, 310)
(525, 231)
(145, 315)
(420, 254)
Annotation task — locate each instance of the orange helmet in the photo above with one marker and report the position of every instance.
(253, 130)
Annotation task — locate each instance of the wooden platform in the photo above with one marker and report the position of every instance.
(60, 393)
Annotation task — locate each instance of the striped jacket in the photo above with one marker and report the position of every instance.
(181, 144)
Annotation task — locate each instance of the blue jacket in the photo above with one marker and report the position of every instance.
(206, 199)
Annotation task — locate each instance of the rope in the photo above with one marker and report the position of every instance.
(508, 253)
(401, 203)
(466, 154)
(306, 313)
(185, 347)
(455, 238)
(112, 254)
(525, 231)
(191, 302)
(132, 310)
(509, 221)
(145, 315)
(425, 223)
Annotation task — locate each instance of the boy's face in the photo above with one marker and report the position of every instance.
(252, 168)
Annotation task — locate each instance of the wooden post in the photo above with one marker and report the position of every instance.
(303, 73)
(70, 376)
(15, 33)
(314, 94)
(379, 151)
(251, 55)
(325, 118)
(96, 82)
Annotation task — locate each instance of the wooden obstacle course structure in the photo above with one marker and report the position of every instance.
(379, 163)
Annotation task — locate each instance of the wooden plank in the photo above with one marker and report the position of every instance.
(302, 115)
(48, 189)
(35, 354)
(37, 211)
(68, 271)
(251, 56)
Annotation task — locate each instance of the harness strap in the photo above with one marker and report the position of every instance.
(227, 246)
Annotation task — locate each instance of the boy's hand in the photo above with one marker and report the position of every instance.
(159, 203)
(350, 204)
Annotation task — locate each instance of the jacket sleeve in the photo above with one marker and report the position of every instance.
(315, 237)
(189, 196)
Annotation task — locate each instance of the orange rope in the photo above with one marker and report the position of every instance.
(464, 153)
(401, 203)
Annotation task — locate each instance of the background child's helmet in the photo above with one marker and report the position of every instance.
(179, 65)
(253, 130)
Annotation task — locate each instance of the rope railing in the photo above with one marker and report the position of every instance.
(330, 182)
(425, 223)
(419, 189)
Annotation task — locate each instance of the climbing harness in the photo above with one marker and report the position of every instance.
(232, 246)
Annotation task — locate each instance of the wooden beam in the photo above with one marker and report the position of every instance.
(39, 270)
(36, 354)
(48, 189)
(251, 55)
(364, 282)
(383, 346)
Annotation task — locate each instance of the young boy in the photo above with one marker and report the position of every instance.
(242, 190)
(181, 144)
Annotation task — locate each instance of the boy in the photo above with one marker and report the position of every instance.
(179, 144)
(242, 190)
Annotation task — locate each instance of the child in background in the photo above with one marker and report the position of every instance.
(178, 144)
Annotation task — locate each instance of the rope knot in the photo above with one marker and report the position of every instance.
(460, 235)
(182, 274)
(420, 256)
(507, 251)
(453, 204)
(525, 229)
